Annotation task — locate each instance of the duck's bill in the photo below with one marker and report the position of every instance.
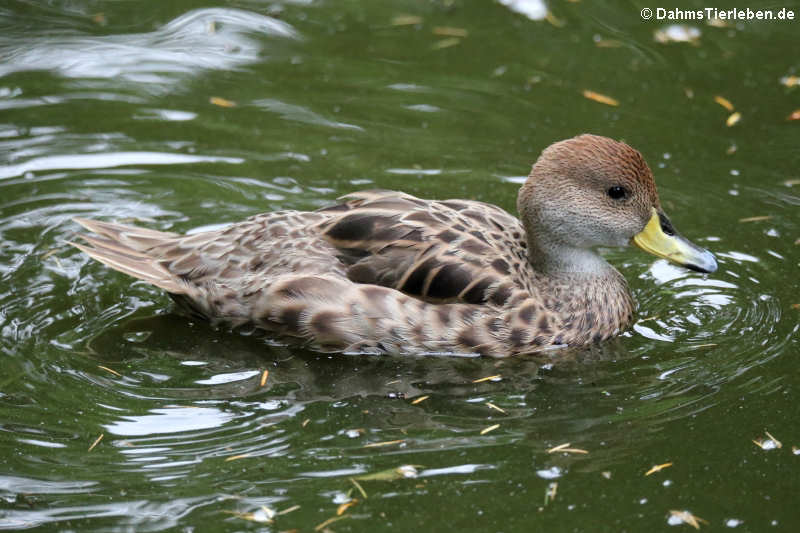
(660, 239)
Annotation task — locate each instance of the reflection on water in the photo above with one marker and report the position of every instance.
(203, 39)
(199, 426)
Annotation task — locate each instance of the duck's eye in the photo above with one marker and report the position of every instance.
(617, 193)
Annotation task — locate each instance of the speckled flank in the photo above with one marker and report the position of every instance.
(385, 271)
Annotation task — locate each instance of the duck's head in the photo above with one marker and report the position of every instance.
(593, 191)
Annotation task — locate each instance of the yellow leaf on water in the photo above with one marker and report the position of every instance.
(755, 219)
(496, 377)
(359, 487)
(406, 20)
(554, 21)
(221, 102)
(109, 370)
(608, 43)
(733, 119)
(657, 468)
(794, 115)
(688, 518)
(790, 81)
(346, 505)
(384, 443)
(446, 43)
(264, 376)
(329, 521)
(450, 32)
(484, 431)
(96, 441)
(600, 98)
(550, 492)
(419, 400)
(770, 443)
(724, 102)
(565, 449)
(493, 406)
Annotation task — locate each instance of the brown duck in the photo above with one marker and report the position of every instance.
(387, 272)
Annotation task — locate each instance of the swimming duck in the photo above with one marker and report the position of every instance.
(384, 271)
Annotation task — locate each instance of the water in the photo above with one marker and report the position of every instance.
(181, 116)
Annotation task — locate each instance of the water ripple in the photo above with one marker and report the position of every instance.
(203, 39)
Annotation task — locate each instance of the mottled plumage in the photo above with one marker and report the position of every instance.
(385, 271)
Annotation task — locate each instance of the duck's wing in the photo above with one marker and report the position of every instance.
(441, 251)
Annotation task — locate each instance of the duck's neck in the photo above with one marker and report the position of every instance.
(556, 259)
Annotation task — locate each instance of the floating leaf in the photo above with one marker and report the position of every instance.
(657, 468)
(484, 431)
(687, 518)
(724, 102)
(109, 370)
(236, 457)
(96, 441)
(790, 81)
(554, 21)
(496, 377)
(401, 472)
(384, 443)
(261, 516)
(755, 219)
(289, 510)
(601, 98)
(330, 521)
(359, 487)
(264, 376)
(345, 506)
(221, 102)
(406, 20)
(565, 449)
(608, 43)
(419, 400)
(770, 443)
(450, 32)
(446, 43)
(493, 406)
(731, 149)
(550, 492)
(717, 23)
(733, 119)
(794, 115)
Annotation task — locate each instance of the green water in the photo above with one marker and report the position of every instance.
(105, 112)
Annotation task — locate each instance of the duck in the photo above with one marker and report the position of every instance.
(386, 272)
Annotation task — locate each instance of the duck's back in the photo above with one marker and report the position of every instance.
(437, 251)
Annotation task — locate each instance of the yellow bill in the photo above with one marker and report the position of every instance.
(660, 239)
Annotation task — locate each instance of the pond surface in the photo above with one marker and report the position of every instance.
(179, 116)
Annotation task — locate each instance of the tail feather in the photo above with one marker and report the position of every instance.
(133, 236)
(124, 248)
